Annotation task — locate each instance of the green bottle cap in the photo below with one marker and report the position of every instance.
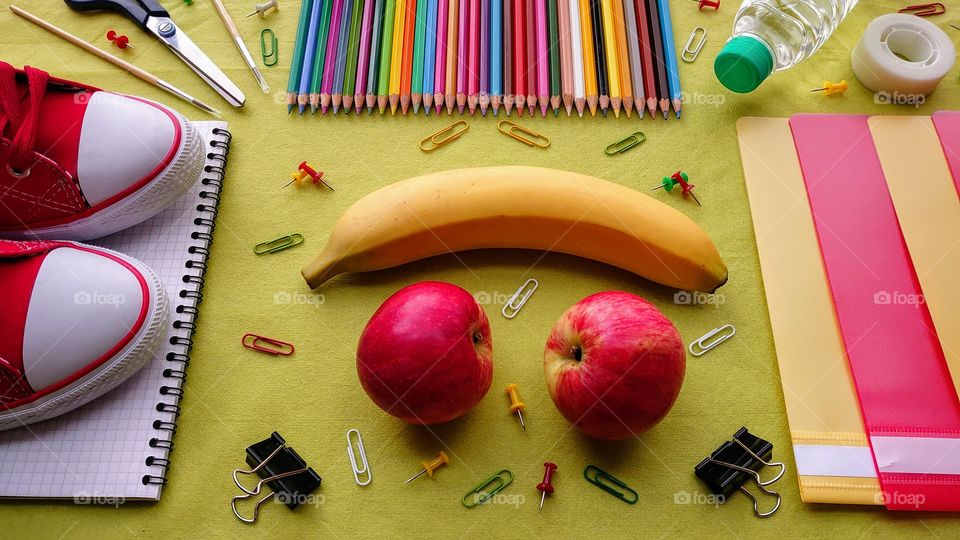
(743, 63)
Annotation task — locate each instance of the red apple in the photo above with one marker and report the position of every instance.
(426, 354)
(614, 365)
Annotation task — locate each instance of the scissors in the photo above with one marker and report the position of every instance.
(151, 16)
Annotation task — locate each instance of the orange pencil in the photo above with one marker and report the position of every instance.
(623, 57)
(453, 26)
(589, 67)
(410, 18)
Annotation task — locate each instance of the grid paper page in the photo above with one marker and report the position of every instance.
(98, 454)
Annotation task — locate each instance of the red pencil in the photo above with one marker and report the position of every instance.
(519, 55)
(646, 56)
(531, 44)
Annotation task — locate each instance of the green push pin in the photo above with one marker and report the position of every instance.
(681, 178)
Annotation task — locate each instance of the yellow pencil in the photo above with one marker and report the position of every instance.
(452, 23)
(589, 68)
(610, 43)
(396, 55)
(623, 58)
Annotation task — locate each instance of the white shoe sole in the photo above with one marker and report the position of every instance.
(175, 180)
(135, 355)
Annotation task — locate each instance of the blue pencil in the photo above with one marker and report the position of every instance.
(496, 54)
(311, 50)
(429, 51)
(670, 55)
(373, 70)
(341, 60)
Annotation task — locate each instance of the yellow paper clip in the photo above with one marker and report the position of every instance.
(278, 244)
(625, 144)
(830, 88)
(445, 136)
(517, 131)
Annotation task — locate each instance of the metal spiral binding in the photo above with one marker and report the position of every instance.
(186, 315)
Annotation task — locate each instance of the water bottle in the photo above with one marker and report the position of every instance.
(772, 35)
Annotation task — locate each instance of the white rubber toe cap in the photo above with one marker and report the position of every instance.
(84, 307)
(123, 141)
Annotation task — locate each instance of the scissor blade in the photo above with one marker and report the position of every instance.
(177, 41)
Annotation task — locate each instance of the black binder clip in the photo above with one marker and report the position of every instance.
(281, 469)
(729, 467)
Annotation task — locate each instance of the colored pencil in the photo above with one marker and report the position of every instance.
(670, 56)
(656, 39)
(600, 55)
(577, 57)
(396, 60)
(553, 46)
(566, 55)
(543, 57)
(376, 58)
(623, 57)
(363, 54)
(453, 49)
(646, 55)
(339, 41)
(319, 60)
(353, 51)
(496, 54)
(633, 46)
(589, 56)
(419, 49)
(530, 47)
(519, 56)
(429, 55)
(386, 55)
(308, 59)
(406, 67)
(299, 48)
(473, 55)
(610, 53)
(508, 32)
(440, 74)
(485, 55)
(463, 37)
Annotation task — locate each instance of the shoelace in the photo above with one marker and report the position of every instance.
(23, 125)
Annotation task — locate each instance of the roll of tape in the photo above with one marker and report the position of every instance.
(904, 54)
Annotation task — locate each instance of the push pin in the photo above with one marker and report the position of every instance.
(515, 404)
(715, 4)
(188, 2)
(685, 185)
(430, 467)
(830, 88)
(546, 486)
(306, 171)
(120, 41)
(263, 8)
(729, 467)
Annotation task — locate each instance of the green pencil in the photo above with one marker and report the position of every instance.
(419, 38)
(350, 77)
(554, 55)
(386, 48)
(296, 63)
(321, 55)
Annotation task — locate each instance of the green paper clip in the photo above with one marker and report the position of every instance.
(279, 244)
(625, 144)
(597, 476)
(481, 494)
(272, 52)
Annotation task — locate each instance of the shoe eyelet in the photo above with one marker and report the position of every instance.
(16, 173)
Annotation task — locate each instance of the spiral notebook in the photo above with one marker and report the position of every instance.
(119, 446)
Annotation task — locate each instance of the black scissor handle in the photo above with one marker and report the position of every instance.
(136, 10)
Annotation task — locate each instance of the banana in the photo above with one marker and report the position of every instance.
(520, 207)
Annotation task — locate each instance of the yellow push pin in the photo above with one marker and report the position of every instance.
(515, 404)
(430, 466)
(830, 88)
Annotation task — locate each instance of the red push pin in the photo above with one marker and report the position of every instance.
(546, 486)
(120, 41)
(304, 171)
(686, 188)
(715, 4)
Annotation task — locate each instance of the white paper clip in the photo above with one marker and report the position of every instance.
(691, 51)
(358, 452)
(700, 346)
(513, 305)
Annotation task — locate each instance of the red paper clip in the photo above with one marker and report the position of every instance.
(120, 41)
(277, 347)
(715, 4)
(925, 10)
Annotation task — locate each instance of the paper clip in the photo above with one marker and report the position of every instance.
(925, 10)
(278, 244)
(276, 347)
(271, 53)
(623, 145)
(483, 491)
(516, 302)
(691, 51)
(609, 483)
(729, 467)
(517, 132)
(700, 346)
(358, 452)
(443, 137)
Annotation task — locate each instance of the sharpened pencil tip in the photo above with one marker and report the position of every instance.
(289, 108)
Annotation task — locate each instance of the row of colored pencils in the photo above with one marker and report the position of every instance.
(485, 54)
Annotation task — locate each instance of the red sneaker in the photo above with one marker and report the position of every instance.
(75, 322)
(79, 163)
